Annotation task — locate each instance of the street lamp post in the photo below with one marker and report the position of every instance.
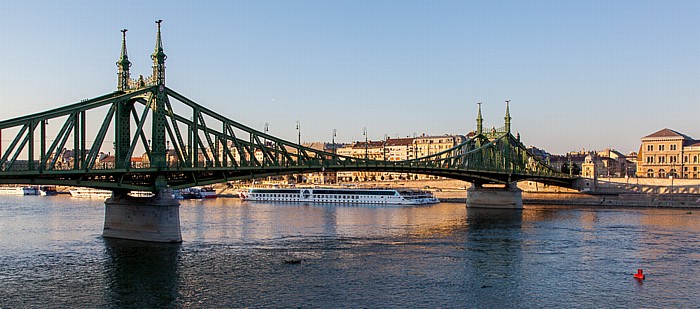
(333, 141)
(672, 175)
(364, 132)
(299, 132)
(384, 146)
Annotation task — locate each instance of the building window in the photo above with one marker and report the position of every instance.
(650, 147)
(662, 159)
(695, 159)
(650, 173)
(661, 147)
(662, 173)
(672, 159)
(673, 147)
(650, 159)
(685, 159)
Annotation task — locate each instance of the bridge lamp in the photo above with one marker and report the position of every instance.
(299, 132)
(333, 141)
(267, 128)
(364, 132)
(386, 137)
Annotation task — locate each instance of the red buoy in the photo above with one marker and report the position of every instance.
(639, 274)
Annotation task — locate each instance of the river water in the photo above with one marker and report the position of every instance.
(243, 254)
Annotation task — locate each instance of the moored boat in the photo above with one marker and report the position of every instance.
(341, 196)
(28, 190)
(48, 191)
(90, 193)
(195, 193)
(207, 192)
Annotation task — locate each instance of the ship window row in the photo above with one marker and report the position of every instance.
(324, 198)
(358, 192)
(291, 191)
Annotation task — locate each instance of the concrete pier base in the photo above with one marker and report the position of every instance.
(154, 219)
(509, 197)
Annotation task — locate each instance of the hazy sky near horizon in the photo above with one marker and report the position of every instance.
(579, 74)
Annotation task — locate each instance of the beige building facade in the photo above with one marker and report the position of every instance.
(667, 153)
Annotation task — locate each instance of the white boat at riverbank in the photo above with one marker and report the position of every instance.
(19, 190)
(90, 193)
(341, 196)
(48, 191)
(195, 193)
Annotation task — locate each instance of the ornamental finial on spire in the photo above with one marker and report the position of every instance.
(123, 66)
(479, 121)
(158, 58)
(507, 117)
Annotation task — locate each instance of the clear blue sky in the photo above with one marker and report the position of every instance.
(579, 74)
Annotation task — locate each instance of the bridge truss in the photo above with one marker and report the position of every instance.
(147, 137)
(206, 148)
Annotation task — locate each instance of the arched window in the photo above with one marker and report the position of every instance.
(650, 173)
(662, 173)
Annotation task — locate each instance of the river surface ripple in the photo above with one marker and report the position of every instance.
(243, 254)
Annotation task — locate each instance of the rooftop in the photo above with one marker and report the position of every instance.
(667, 133)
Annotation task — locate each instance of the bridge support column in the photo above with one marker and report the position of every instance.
(154, 219)
(509, 197)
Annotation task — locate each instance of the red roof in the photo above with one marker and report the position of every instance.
(399, 141)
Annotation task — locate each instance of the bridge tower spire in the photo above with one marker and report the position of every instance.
(158, 58)
(123, 66)
(479, 122)
(158, 150)
(507, 117)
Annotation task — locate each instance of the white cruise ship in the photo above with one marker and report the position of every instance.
(18, 191)
(90, 193)
(341, 196)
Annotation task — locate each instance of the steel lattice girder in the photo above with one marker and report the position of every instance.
(233, 148)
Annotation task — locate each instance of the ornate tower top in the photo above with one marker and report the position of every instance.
(123, 66)
(479, 121)
(158, 58)
(507, 117)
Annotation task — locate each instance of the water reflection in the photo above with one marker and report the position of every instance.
(494, 246)
(484, 218)
(141, 274)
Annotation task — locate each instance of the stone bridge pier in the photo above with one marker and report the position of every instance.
(495, 196)
(154, 219)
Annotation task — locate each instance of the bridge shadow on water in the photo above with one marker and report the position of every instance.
(485, 218)
(141, 274)
(493, 252)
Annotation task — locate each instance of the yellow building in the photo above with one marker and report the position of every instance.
(430, 145)
(668, 153)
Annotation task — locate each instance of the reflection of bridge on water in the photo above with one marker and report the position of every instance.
(206, 148)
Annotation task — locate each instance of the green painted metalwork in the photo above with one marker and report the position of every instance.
(217, 149)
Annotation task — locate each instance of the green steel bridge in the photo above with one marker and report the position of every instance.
(186, 144)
